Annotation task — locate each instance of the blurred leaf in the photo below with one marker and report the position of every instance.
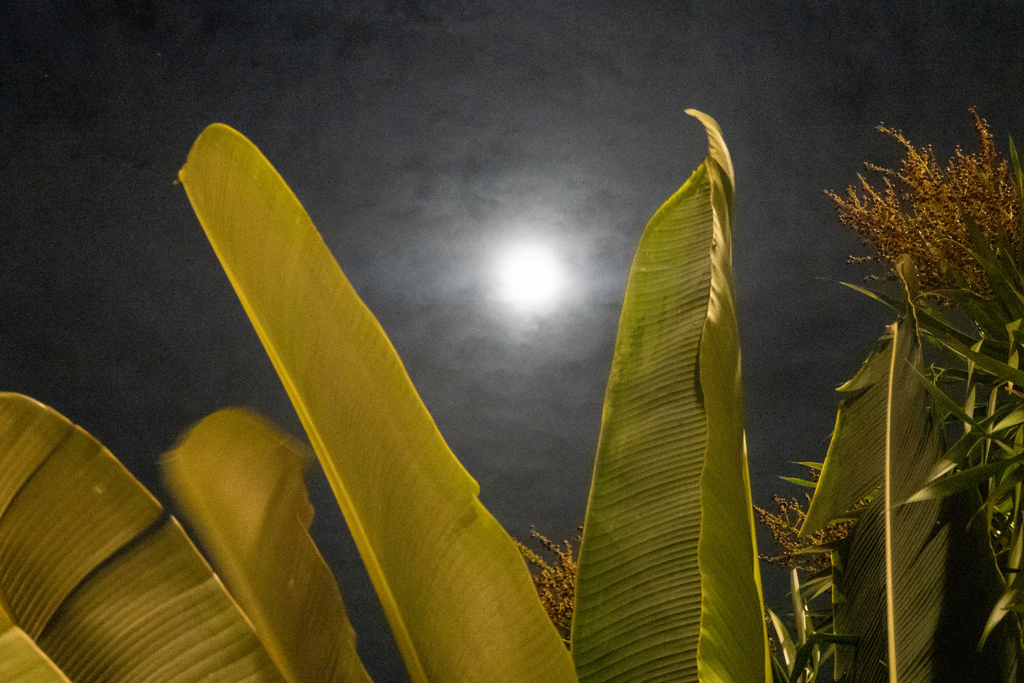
(108, 587)
(240, 483)
(668, 579)
(455, 590)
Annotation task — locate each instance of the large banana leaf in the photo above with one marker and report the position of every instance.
(21, 660)
(95, 581)
(453, 586)
(913, 581)
(240, 482)
(668, 585)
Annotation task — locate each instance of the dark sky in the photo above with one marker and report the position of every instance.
(426, 138)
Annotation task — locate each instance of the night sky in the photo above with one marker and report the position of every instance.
(426, 139)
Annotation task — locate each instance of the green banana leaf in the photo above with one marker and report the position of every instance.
(856, 455)
(913, 581)
(668, 584)
(240, 483)
(21, 660)
(454, 588)
(95, 580)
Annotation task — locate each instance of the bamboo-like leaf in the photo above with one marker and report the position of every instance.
(964, 480)
(454, 588)
(806, 483)
(93, 572)
(913, 581)
(668, 583)
(785, 642)
(240, 483)
(1012, 600)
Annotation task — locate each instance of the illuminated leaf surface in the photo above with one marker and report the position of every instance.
(669, 585)
(454, 588)
(21, 660)
(93, 572)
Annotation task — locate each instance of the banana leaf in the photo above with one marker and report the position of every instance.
(914, 581)
(21, 660)
(454, 588)
(668, 584)
(240, 483)
(96, 581)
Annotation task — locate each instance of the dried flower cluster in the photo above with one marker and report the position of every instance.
(921, 211)
(785, 530)
(556, 583)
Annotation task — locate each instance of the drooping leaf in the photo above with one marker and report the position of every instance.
(93, 572)
(668, 583)
(454, 588)
(240, 483)
(855, 459)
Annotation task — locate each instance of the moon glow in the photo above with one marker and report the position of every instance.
(530, 278)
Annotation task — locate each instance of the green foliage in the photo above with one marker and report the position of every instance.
(96, 583)
(941, 537)
(684, 588)
(668, 553)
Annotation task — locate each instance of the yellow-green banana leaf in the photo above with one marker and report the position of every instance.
(240, 484)
(669, 585)
(106, 586)
(21, 660)
(453, 586)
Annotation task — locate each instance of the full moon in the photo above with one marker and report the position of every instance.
(530, 277)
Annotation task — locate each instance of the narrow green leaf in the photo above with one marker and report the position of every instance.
(107, 586)
(240, 483)
(949, 405)
(785, 641)
(1012, 420)
(455, 590)
(927, 320)
(668, 585)
(1000, 370)
(964, 480)
(800, 482)
(803, 655)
